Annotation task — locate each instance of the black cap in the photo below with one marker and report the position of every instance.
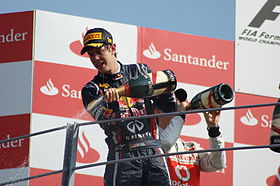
(166, 102)
(181, 94)
(96, 37)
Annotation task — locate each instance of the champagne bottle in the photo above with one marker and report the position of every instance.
(213, 97)
(149, 85)
(275, 128)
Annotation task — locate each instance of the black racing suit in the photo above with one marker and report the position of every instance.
(129, 138)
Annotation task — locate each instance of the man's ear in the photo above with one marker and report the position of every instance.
(114, 48)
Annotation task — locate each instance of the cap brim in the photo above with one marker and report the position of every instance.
(93, 45)
(84, 49)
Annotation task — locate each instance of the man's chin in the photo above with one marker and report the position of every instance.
(103, 71)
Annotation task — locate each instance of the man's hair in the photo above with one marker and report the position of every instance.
(107, 47)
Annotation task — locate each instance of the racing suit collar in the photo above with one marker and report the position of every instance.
(116, 75)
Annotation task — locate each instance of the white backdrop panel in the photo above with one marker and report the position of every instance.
(47, 151)
(54, 33)
(257, 48)
(254, 167)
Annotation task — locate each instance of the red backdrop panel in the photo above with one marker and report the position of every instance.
(14, 153)
(57, 90)
(16, 36)
(252, 125)
(194, 59)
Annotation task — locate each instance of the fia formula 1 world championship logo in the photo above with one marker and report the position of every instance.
(268, 12)
(264, 28)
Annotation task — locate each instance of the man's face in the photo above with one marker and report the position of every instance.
(103, 58)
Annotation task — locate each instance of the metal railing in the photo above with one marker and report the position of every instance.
(72, 131)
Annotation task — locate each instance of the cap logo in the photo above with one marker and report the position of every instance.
(95, 44)
(109, 40)
(93, 36)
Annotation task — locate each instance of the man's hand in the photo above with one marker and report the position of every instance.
(183, 106)
(212, 118)
(111, 95)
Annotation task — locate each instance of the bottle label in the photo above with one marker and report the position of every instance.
(208, 100)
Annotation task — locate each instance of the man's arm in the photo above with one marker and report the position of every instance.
(213, 161)
(95, 103)
(170, 129)
(171, 133)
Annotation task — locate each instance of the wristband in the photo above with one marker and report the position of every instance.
(214, 131)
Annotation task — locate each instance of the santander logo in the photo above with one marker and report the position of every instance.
(85, 153)
(151, 52)
(49, 89)
(249, 119)
(170, 56)
(12, 144)
(13, 36)
(76, 46)
(274, 180)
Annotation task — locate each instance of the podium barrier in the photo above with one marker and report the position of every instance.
(72, 136)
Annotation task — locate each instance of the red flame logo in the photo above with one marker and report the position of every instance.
(85, 153)
(76, 46)
(274, 180)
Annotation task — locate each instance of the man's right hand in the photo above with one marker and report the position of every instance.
(183, 106)
(212, 118)
(111, 95)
